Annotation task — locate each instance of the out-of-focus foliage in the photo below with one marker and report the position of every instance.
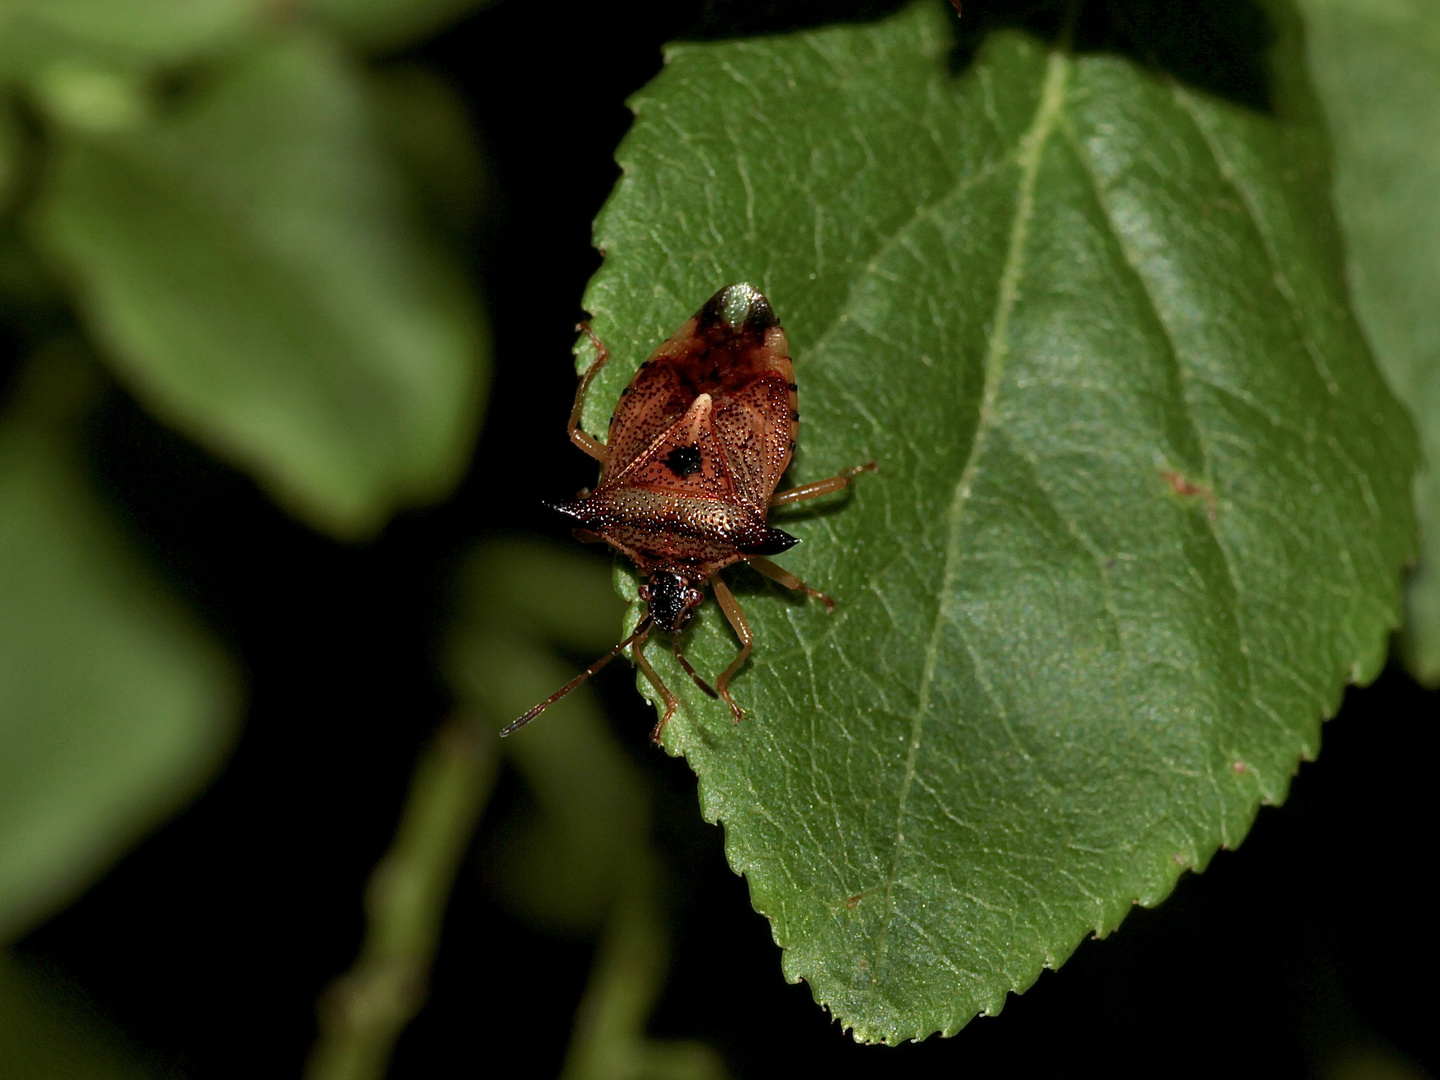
(132, 35)
(258, 232)
(364, 1010)
(45, 1035)
(584, 860)
(385, 25)
(252, 227)
(246, 265)
(1139, 518)
(114, 705)
(1376, 66)
(423, 122)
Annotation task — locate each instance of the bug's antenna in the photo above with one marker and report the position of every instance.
(640, 631)
(691, 671)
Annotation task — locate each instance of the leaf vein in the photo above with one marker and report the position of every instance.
(1031, 149)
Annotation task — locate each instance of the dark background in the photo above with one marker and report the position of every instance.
(210, 943)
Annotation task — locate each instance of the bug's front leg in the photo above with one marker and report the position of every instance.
(816, 488)
(581, 438)
(671, 701)
(727, 602)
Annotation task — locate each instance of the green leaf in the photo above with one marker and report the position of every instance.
(389, 25)
(517, 601)
(1376, 65)
(114, 706)
(251, 270)
(130, 34)
(1142, 504)
(424, 123)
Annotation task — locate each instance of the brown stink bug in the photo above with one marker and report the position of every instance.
(697, 446)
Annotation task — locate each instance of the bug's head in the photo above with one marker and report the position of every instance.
(671, 598)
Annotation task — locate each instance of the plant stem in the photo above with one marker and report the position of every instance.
(363, 1012)
(609, 1041)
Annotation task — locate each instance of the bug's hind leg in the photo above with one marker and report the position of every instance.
(581, 438)
(732, 611)
(779, 574)
(816, 488)
(671, 701)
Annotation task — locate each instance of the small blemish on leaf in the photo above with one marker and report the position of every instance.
(1240, 767)
(1188, 489)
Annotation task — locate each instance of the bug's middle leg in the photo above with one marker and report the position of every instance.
(726, 599)
(581, 438)
(778, 573)
(816, 488)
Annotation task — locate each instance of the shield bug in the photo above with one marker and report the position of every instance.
(697, 445)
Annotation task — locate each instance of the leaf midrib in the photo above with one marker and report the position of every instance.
(1031, 148)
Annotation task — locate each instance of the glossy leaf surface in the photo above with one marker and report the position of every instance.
(1142, 504)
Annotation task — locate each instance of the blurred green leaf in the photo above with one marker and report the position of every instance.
(93, 99)
(251, 270)
(518, 601)
(46, 1034)
(128, 34)
(562, 866)
(424, 123)
(1143, 498)
(114, 705)
(550, 594)
(382, 26)
(1376, 65)
(13, 155)
(583, 860)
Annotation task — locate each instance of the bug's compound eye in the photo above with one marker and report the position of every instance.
(672, 599)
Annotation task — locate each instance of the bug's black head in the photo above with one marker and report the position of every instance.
(671, 599)
(739, 307)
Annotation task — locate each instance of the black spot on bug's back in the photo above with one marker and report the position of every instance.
(683, 461)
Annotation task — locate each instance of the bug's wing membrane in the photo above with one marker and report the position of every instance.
(754, 426)
(734, 351)
(652, 404)
(687, 460)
